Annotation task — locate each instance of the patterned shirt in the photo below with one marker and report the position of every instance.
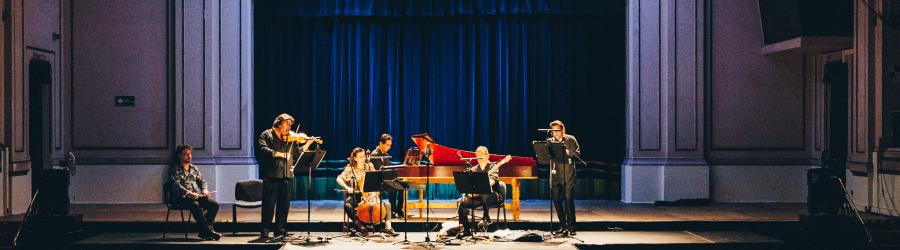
(352, 175)
(186, 181)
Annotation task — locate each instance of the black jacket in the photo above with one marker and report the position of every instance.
(272, 167)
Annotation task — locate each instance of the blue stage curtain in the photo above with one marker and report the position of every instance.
(469, 73)
(434, 8)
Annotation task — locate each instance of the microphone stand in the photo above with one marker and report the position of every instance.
(428, 153)
(565, 186)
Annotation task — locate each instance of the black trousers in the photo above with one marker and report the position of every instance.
(196, 206)
(562, 194)
(352, 201)
(277, 201)
(395, 197)
(465, 203)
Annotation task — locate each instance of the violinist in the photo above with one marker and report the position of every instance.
(469, 202)
(351, 179)
(278, 148)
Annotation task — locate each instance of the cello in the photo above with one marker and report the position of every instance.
(370, 209)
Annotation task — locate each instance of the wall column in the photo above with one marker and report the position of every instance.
(666, 78)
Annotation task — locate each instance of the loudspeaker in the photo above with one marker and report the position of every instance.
(53, 197)
(825, 195)
(784, 20)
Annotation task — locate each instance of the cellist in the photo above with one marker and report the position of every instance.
(351, 179)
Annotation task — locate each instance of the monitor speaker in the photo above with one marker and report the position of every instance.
(825, 195)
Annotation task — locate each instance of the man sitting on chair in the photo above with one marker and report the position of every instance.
(465, 203)
(351, 180)
(190, 190)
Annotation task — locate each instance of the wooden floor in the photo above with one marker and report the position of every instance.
(532, 211)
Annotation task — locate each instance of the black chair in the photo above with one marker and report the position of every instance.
(167, 198)
(500, 199)
(247, 194)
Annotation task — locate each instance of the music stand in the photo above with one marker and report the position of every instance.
(308, 161)
(551, 153)
(470, 183)
(390, 178)
(374, 182)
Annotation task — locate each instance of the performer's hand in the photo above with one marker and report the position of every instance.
(278, 155)
(205, 195)
(192, 195)
(553, 171)
(349, 190)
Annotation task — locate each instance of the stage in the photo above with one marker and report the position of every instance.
(592, 240)
(601, 224)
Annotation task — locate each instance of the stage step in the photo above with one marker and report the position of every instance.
(8, 231)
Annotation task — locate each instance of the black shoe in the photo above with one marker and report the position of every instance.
(390, 232)
(215, 234)
(463, 233)
(485, 223)
(264, 233)
(281, 233)
(397, 215)
(209, 235)
(572, 232)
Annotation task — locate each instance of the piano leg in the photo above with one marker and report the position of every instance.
(515, 195)
(421, 199)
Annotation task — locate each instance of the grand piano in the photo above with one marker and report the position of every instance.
(445, 161)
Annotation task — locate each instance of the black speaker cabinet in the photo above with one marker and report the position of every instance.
(825, 195)
(53, 196)
(784, 20)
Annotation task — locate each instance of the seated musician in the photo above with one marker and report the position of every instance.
(466, 202)
(351, 179)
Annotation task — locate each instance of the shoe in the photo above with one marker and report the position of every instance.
(204, 236)
(390, 232)
(572, 232)
(281, 233)
(485, 223)
(397, 215)
(214, 235)
(209, 235)
(463, 233)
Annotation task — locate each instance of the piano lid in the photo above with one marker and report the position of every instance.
(445, 156)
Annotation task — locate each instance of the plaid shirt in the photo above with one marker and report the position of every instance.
(186, 181)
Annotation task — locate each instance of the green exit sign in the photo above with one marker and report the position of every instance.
(127, 101)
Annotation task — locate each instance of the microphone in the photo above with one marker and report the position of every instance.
(548, 129)
(458, 154)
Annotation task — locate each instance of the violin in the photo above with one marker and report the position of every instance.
(301, 138)
(370, 209)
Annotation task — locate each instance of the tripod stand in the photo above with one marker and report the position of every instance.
(554, 153)
(413, 157)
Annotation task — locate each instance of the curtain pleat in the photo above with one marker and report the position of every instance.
(491, 78)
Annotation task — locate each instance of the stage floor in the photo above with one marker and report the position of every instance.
(604, 240)
(532, 211)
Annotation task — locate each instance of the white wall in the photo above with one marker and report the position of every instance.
(743, 183)
(143, 183)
